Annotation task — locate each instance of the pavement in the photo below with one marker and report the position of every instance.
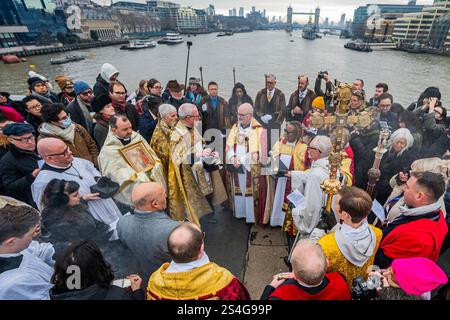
(254, 253)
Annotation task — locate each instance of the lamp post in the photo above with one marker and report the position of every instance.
(189, 44)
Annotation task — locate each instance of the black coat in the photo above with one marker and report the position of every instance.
(53, 97)
(147, 125)
(95, 292)
(101, 87)
(33, 121)
(177, 103)
(130, 112)
(440, 146)
(16, 169)
(65, 225)
(362, 146)
(76, 114)
(391, 164)
(391, 120)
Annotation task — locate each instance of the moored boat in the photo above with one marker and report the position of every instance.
(10, 58)
(66, 59)
(358, 46)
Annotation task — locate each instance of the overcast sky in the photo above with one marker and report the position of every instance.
(329, 8)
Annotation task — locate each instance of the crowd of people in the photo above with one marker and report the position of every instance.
(104, 192)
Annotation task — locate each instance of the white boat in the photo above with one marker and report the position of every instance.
(171, 38)
(138, 44)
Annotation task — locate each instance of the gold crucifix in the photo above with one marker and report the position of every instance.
(339, 120)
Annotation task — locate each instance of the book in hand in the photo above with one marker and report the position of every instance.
(231, 168)
(122, 283)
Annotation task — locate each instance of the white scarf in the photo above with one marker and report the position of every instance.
(414, 212)
(67, 134)
(357, 245)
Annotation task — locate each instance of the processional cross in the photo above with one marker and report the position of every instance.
(340, 119)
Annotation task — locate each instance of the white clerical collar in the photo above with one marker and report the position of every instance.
(9, 255)
(56, 167)
(271, 92)
(290, 143)
(308, 286)
(184, 267)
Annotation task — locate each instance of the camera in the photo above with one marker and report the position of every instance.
(366, 290)
(321, 74)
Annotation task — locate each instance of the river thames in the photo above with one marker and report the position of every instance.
(252, 54)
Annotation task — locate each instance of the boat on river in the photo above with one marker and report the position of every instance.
(66, 59)
(358, 46)
(171, 38)
(309, 31)
(138, 44)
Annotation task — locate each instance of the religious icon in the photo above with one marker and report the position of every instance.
(138, 157)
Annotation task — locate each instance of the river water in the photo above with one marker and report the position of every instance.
(252, 54)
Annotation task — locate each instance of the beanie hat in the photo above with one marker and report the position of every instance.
(63, 82)
(418, 275)
(98, 103)
(33, 74)
(80, 87)
(318, 103)
(34, 81)
(17, 129)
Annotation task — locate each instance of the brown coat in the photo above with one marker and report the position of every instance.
(215, 119)
(83, 146)
(305, 105)
(275, 108)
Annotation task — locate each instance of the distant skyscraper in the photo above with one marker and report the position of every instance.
(264, 13)
(230, 12)
(253, 9)
(279, 19)
(327, 22)
(211, 10)
(342, 23)
(234, 12)
(241, 12)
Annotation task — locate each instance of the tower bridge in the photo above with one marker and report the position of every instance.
(290, 13)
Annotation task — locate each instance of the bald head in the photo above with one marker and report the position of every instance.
(185, 243)
(150, 196)
(309, 263)
(55, 152)
(49, 146)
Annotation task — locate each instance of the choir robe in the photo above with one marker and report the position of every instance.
(27, 276)
(104, 210)
(114, 166)
(248, 189)
(293, 157)
(189, 182)
(308, 183)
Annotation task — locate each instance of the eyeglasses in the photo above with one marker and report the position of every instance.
(34, 107)
(289, 132)
(87, 93)
(120, 93)
(271, 82)
(243, 114)
(24, 139)
(157, 87)
(64, 153)
(439, 113)
(191, 116)
(69, 87)
(312, 148)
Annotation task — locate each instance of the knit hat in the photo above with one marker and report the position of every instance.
(63, 82)
(34, 81)
(17, 129)
(98, 103)
(318, 103)
(80, 87)
(33, 74)
(418, 275)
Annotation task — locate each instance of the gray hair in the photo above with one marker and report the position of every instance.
(247, 105)
(271, 76)
(309, 262)
(166, 109)
(402, 133)
(185, 110)
(323, 143)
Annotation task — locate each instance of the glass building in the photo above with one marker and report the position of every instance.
(42, 18)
